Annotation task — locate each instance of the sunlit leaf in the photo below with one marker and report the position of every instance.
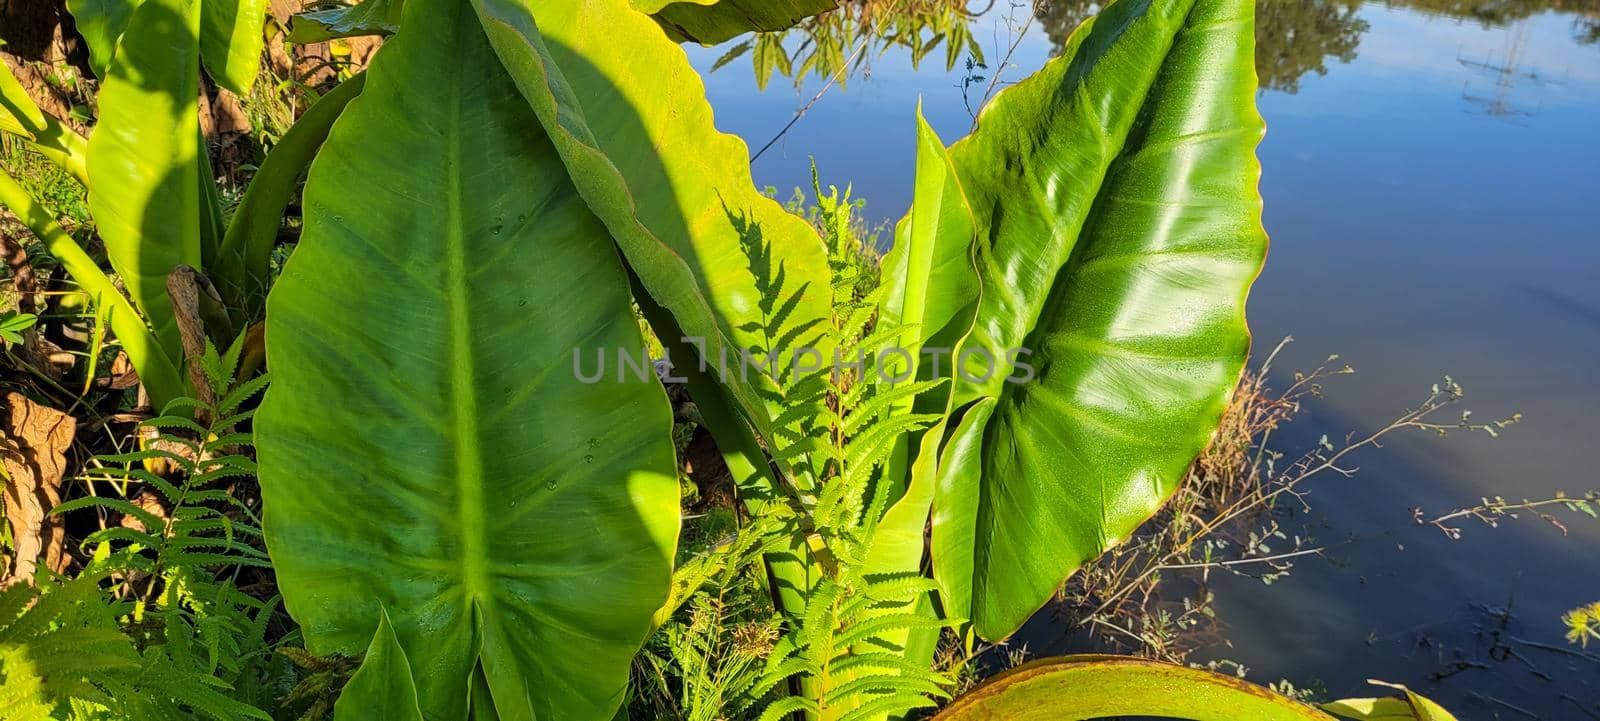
(101, 23)
(148, 189)
(1077, 688)
(426, 444)
(1410, 706)
(1118, 230)
(232, 35)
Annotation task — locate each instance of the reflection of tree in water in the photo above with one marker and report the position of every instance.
(842, 42)
(1494, 13)
(1500, 13)
(1588, 30)
(1293, 37)
(1058, 18)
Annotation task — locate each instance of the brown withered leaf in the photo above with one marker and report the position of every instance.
(151, 503)
(123, 375)
(33, 445)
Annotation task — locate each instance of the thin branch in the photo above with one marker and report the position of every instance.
(832, 79)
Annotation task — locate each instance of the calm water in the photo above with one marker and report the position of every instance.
(1432, 189)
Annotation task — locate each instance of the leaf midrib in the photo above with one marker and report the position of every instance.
(464, 421)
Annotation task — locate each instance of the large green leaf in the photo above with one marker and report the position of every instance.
(713, 21)
(1118, 230)
(629, 115)
(426, 445)
(233, 33)
(931, 283)
(930, 271)
(733, 269)
(146, 178)
(1077, 688)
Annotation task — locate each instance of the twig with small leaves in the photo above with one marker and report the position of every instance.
(1491, 510)
(1017, 34)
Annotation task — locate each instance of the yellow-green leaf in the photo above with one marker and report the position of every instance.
(18, 113)
(1409, 706)
(146, 183)
(233, 33)
(1079, 688)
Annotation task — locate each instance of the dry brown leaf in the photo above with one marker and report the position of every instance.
(33, 445)
(151, 503)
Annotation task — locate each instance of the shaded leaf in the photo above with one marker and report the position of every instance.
(370, 17)
(712, 21)
(382, 689)
(734, 268)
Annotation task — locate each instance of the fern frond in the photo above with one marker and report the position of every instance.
(777, 710)
(861, 661)
(118, 505)
(170, 422)
(901, 588)
(878, 684)
(869, 410)
(880, 625)
(894, 704)
(243, 392)
(126, 535)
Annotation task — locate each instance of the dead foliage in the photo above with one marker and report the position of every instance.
(33, 445)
